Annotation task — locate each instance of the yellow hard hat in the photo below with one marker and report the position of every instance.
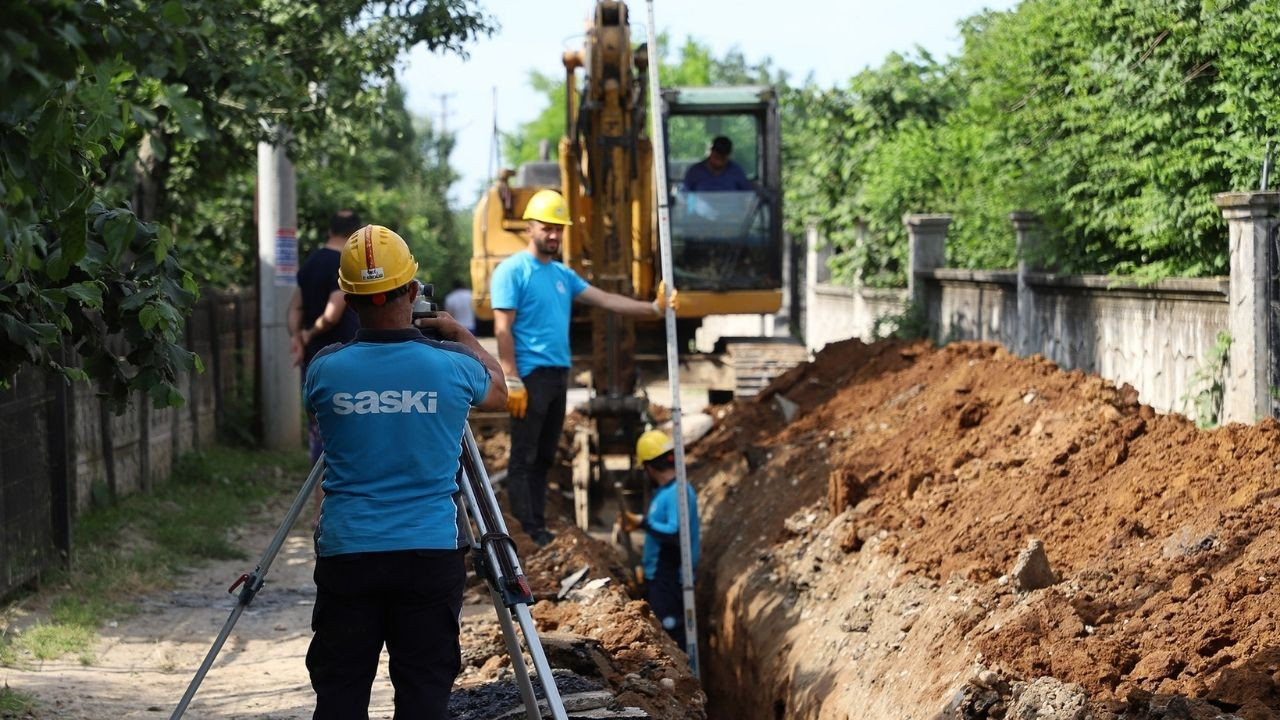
(547, 206)
(653, 444)
(375, 260)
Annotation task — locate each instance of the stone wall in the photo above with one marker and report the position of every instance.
(1157, 337)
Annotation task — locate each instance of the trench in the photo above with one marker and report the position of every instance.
(867, 541)
(962, 533)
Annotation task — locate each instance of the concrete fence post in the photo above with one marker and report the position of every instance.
(1026, 227)
(927, 245)
(811, 270)
(1252, 225)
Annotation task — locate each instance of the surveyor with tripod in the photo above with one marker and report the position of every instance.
(391, 406)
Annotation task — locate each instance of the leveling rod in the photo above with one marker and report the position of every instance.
(673, 355)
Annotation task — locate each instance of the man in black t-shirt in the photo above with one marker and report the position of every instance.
(318, 314)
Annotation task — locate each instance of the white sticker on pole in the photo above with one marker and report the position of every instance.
(286, 257)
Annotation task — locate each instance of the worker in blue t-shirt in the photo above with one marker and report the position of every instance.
(716, 173)
(661, 525)
(390, 543)
(531, 294)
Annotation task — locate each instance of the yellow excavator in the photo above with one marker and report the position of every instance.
(726, 244)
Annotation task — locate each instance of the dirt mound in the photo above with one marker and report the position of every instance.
(883, 523)
(594, 628)
(597, 628)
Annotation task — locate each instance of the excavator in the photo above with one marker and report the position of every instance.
(726, 245)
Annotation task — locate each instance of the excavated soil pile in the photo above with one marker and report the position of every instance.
(962, 533)
(588, 617)
(590, 626)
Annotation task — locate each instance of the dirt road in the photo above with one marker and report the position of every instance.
(143, 663)
(597, 636)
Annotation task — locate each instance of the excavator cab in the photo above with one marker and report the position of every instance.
(726, 230)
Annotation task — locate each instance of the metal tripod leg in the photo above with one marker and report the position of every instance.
(508, 632)
(521, 670)
(251, 583)
(507, 581)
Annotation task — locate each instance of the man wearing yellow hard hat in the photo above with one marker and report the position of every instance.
(656, 452)
(532, 293)
(391, 406)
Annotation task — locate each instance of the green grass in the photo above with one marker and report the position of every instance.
(53, 640)
(139, 545)
(14, 704)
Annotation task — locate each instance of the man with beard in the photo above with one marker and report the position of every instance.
(532, 293)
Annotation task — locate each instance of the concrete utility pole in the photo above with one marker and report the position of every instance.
(279, 391)
(444, 109)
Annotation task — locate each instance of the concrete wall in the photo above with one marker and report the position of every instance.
(974, 305)
(836, 313)
(1154, 337)
(63, 450)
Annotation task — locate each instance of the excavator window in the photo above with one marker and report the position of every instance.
(720, 232)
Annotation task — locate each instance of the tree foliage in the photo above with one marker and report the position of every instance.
(693, 65)
(398, 176)
(1116, 122)
(125, 136)
(522, 146)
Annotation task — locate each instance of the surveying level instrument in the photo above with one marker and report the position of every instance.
(493, 553)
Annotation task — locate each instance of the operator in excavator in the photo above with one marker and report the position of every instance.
(717, 172)
(656, 452)
(391, 406)
(532, 293)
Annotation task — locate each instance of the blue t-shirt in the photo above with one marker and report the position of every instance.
(542, 295)
(664, 517)
(391, 405)
(699, 178)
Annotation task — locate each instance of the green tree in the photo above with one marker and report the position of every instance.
(693, 65)
(398, 176)
(124, 141)
(522, 146)
(835, 159)
(1116, 122)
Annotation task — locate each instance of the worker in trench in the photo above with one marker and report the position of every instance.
(532, 293)
(391, 406)
(655, 451)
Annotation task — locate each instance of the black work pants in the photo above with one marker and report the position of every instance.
(666, 597)
(534, 439)
(410, 600)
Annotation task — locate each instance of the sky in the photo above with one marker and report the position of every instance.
(828, 40)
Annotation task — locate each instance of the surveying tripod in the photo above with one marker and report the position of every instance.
(494, 556)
